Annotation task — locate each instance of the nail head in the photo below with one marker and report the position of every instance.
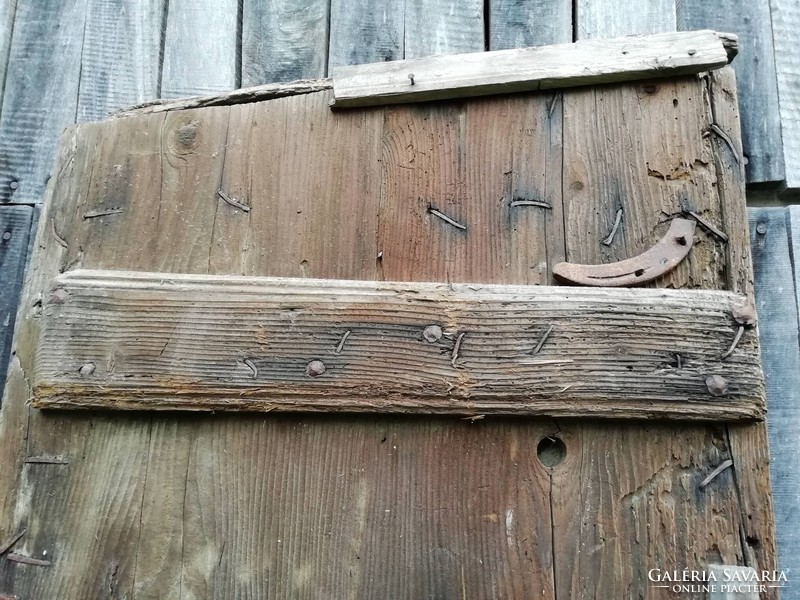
(315, 368)
(744, 314)
(432, 333)
(717, 385)
(86, 370)
(761, 229)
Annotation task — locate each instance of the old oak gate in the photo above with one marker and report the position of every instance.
(267, 252)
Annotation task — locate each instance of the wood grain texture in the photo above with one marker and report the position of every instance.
(15, 225)
(284, 40)
(120, 56)
(200, 48)
(503, 71)
(106, 333)
(605, 18)
(442, 27)
(366, 32)
(755, 76)
(786, 35)
(519, 24)
(41, 93)
(7, 10)
(773, 234)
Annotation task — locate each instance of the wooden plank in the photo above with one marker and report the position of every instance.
(384, 347)
(200, 48)
(771, 230)
(786, 36)
(284, 40)
(41, 93)
(120, 57)
(514, 24)
(503, 71)
(15, 225)
(755, 76)
(365, 32)
(606, 18)
(7, 10)
(793, 223)
(432, 27)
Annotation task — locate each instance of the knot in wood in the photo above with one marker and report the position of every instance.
(187, 134)
(717, 385)
(315, 368)
(432, 333)
(744, 314)
(86, 370)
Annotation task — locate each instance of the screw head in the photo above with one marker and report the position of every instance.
(761, 229)
(744, 314)
(432, 334)
(315, 368)
(86, 370)
(717, 385)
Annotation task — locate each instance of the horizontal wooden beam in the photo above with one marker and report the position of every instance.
(157, 341)
(585, 62)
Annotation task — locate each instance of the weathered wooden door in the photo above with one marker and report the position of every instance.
(329, 506)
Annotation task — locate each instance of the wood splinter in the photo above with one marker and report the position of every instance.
(456, 348)
(446, 219)
(725, 464)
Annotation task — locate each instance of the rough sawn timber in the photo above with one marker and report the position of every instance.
(115, 339)
(586, 62)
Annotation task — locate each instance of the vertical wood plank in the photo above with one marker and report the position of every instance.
(365, 31)
(442, 27)
(773, 232)
(516, 24)
(15, 225)
(607, 18)
(7, 10)
(284, 40)
(120, 62)
(200, 48)
(41, 93)
(755, 75)
(786, 34)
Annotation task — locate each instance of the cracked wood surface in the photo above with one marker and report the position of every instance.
(117, 339)
(231, 506)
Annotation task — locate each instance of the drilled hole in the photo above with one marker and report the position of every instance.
(681, 241)
(551, 451)
(638, 272)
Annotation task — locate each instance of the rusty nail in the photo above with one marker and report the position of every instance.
(744, 314)
(432, 333)
(86, 370)
(315, 368)
(59, 296)
(717, 385)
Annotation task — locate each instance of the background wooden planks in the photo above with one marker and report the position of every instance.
(49, 51)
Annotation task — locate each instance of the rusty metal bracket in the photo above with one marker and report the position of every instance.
(655, 262)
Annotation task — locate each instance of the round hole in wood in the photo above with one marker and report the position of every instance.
(551, 451)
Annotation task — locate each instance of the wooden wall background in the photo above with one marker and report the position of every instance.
(66, 61)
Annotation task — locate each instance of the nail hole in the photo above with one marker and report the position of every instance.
(681, 240)
(638, 272)
(551, 451)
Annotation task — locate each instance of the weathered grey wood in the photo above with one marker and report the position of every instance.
(200, 48)
(518, 24)
(41, 93)
(503, 71)
(259, 93)
(786, 36)
(610, 18)
(15, 225)
(772, 239)
(793, 225)
(442, 27)
(284, 40)
(755, 76)
(149, 340)
(732, 582)
(365, 31)
(7, 10)
(120, 59)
